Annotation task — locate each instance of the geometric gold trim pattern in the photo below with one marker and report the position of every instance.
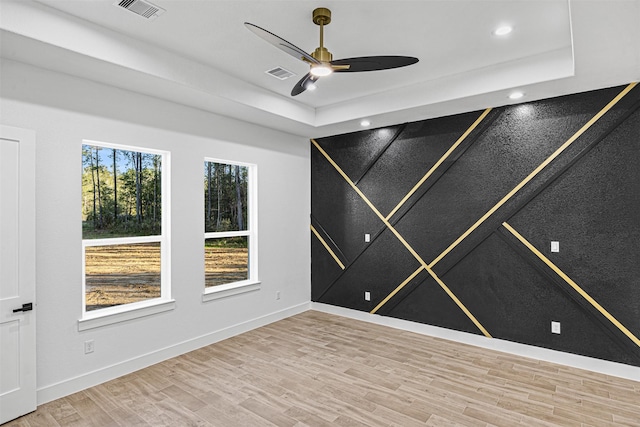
(566, 130)
(440, 161)
(573, 284)
(396, 290)
(386, 222)
(335, 257)
(535, 172)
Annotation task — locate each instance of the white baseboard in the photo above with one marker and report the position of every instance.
(99, 376)
(559, 357)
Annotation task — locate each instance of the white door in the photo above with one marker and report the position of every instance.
(17, 273)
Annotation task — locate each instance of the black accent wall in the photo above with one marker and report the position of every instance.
(483, 195)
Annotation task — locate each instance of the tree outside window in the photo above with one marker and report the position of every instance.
(122, 225)
(228, 215)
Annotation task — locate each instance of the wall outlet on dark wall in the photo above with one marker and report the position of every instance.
(470, 204)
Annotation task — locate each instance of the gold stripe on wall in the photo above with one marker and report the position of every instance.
(368, 202)
(459, 303)
(439, 162)
(444, 287)
(406, 244)
(396, 290)
(346, 178)
(574, 285)
(535, 172)
(335, 257)
(402, 240)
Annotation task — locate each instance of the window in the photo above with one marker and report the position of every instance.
(124, 228)
(229, 223)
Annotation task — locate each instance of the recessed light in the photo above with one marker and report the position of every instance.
(516, 95)
(503, 31)
(365, 123)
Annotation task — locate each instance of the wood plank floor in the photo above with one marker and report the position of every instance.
(317, 369)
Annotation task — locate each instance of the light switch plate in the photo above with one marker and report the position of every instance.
(555, 327)
(555, 246)
(367, 237)
(367, 296)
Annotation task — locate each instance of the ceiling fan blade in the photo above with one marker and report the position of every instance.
(281, 43)
(303, 84)
(373, 63)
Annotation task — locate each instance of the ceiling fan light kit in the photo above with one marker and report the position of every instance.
(503, 31)
(321, 70)
(321, 61)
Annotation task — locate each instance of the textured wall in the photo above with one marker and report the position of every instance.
(462, 210)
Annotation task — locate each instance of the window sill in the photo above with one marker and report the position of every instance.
(224, 291)
(121, 314)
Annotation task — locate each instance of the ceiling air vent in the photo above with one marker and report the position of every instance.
(280, 73)
(142, 8)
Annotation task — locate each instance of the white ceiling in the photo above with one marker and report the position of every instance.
(199, 53)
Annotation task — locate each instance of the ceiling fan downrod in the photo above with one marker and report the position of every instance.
(322, 16)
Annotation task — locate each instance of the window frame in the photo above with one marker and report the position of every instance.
(252, 283)
(123, 312)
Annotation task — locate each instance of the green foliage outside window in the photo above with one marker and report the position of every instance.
(225, 197)
(121, 193)
(226, 257)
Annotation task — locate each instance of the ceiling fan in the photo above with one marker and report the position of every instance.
(321, 60)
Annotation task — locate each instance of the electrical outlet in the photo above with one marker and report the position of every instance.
(277, 294)
(555, 327)
(89, 346)
(555, 246)
(367, 296)
(367, 237)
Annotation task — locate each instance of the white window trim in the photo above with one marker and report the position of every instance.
(230, 289)
(125, 312)
(112, 315)
(252, 283)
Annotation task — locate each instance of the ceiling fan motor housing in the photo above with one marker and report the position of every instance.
(322, 54)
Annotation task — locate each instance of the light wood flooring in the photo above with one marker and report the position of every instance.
(316, 369)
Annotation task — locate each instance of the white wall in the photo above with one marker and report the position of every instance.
(64, 110)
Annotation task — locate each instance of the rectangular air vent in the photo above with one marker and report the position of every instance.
(280, 73)
(141, 7)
